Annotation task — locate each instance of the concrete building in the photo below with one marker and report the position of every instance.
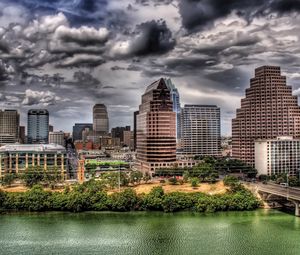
(128, 139)
(57, 137)
(269, 110)
(22, 136)
(135, 114)
(100, 119)
(17, 158)
(9, 126)
(78, 128)
(118, 132)
(156, 129)
(277, 156)
(176, 106)
(201, 130)
(37, 126)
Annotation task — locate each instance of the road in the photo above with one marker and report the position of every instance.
(278, 190)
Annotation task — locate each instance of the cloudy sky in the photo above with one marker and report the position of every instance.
(68, 55)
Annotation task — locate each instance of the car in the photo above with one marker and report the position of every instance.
(284, 184)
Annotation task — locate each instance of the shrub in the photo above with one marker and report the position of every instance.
(172, 180)
(153, 200)
(194, 182)
(123, 201)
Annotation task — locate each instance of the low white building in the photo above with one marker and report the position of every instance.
(277, 156)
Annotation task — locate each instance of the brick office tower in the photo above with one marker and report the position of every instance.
(269, 110)
(156, 129)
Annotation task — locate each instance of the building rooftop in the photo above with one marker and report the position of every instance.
(156, 84)
(32, 147)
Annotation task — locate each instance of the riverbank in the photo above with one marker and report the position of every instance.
(92, 197)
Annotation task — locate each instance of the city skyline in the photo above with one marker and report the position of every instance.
(68, 56)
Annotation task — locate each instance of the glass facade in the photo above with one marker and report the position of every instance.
(38, 126)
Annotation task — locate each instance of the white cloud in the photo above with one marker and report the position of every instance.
(44, 98)
(45, 25)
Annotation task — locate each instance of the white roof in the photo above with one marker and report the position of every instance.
(32, 147)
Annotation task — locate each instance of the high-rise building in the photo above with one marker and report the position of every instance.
(277, 156)
(100, 119)
(156, 129)
(37, 126)
(118, 132)
(201, 130)
(51, 128)
(78, 128)
(9, 126)
(269, 110)
(176, 105)
(22, 136)
(57, 137)
(135, 114)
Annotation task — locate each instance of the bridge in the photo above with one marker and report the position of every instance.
(273, 192)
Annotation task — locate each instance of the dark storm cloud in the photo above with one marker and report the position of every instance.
(148, 38)
(200, 13)
(4, 46)
(85, 79)
(81, 60)
(154, 38)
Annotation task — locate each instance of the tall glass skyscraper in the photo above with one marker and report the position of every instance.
(100, 119)
(174, 94)
(38, 126)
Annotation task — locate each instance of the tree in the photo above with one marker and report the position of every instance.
(135, 177)
(186, 176)
(146, 177)
(33, 175)
(194, 182)
(229, 180)
(8, 179)
(203, 171)
(293, 181)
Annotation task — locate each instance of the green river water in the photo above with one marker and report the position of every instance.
(244, 233)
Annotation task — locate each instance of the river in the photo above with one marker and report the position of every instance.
(245, 233)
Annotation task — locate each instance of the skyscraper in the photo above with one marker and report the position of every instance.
(156, 129)
(176, 105)
(78, 128)
(135, 114)
(9, 126)
(38, 126)
(118, 132)
(201, 130)
(100, 119)
(269, 110)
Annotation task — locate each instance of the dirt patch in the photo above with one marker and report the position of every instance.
(217, 188)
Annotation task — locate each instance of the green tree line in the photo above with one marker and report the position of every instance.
(92, 196)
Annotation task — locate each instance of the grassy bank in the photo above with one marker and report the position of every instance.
(91, 196)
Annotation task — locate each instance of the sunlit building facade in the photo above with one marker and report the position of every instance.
(269, 110)
(17, 158)
(156, 129)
